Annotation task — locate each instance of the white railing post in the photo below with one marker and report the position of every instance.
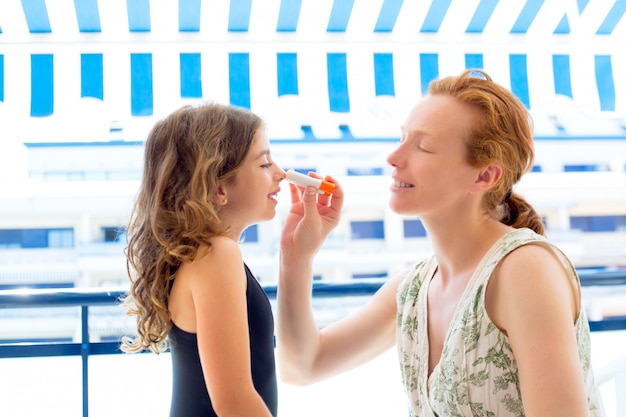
(620, 387)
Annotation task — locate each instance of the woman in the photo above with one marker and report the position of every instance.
(492, 324)
(208, 175)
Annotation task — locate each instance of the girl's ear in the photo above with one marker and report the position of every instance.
(219, 197)
(488, 177)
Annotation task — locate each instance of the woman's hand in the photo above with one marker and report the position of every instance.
(311, 218)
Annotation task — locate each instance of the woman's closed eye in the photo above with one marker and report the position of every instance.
(424, 149)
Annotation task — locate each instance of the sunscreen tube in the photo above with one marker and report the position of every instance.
(323, 187)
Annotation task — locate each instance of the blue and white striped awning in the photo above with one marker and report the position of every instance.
(83, 64)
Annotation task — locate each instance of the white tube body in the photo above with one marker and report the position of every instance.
(302, 180)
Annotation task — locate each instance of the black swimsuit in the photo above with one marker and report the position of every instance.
(189, 393)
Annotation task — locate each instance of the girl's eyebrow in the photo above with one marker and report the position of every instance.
(263, 153)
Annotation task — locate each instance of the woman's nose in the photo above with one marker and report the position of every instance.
(392, 158)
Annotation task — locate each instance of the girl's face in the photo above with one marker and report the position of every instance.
(251, 196)
(430, 169)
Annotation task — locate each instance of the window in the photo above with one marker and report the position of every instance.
(370, 275)
(373, 229)
(583, 168)
(37, 238)
(60, 238)
(251, 234)
(114, 233)
(414, 228)
(598, 223)
(365, 171)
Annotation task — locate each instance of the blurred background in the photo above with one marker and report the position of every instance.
(83, 81)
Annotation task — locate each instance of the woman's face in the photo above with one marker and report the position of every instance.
(251, 195)
(430, 169)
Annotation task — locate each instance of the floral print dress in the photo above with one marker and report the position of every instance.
(477, 374)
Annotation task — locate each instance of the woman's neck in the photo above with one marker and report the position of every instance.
(459, 246)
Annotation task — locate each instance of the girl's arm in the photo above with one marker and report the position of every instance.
(218, 288)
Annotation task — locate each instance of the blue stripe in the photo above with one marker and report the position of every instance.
(288, 15)
(527, 16)
(141, 95)
(1, 77)
(189, 15)
(563, 27)
(94, 144)
(612, 18)
(138, 15)
(36, 15)
(561, 72)
(388, 15)
(239, 76)
(604, 81)
(88, 15)
(474, 61)
(383, 75)
(434, 18)
(91, 76)
(42, 85)
(429, 70)
(287, 73)
(582, 4)
(239, 15)
(519, 78)
(481, 16)
(340, 15)
(338, 82)
(190, 75)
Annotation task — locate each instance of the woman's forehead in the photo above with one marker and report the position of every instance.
(434, 111)
(440, 117)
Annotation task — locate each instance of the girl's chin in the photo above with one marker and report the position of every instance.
(271, 214)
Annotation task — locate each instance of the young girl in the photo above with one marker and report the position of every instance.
(208, 175)
(492, 324)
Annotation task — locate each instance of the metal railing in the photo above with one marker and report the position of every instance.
(86, 298)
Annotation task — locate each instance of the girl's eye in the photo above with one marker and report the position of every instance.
(269, 164)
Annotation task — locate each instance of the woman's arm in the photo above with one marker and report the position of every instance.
(218, 288)
(534, 301)
(306, 354)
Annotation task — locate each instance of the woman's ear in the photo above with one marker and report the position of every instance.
(488, 177)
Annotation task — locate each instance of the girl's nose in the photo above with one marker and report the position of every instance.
(281, 174)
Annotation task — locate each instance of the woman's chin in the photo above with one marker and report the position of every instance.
(401, 209)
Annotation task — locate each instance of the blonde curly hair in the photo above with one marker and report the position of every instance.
(186, 154)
